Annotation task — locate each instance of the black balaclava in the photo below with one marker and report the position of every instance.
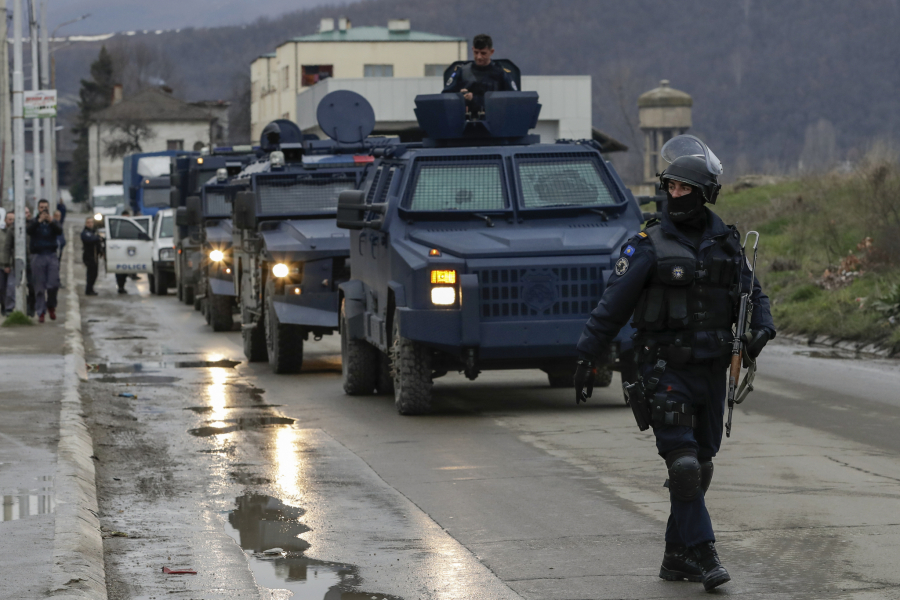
(685, 208)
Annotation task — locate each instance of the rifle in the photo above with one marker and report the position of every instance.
(745, 314)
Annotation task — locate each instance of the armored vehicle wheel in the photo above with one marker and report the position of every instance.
(179, 291)
(219, 312)
(204, 306)
(561, 378)
(385, 383)
(604, 376)
(359, 363)
(188, 294)
(197, 302)
(411, 368)
(284, 343)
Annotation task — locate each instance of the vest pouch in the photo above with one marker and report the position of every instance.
(649, 312)
(678, 307)
(676, 270)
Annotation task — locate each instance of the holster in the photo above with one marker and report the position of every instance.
(637, 399)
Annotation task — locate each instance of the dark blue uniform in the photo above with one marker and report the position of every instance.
(479, 80)
(701, 379)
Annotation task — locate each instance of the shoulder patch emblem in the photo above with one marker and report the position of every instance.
(629, 250)
(677, 273)
(450, 80)
(621, 266)
(642, 234)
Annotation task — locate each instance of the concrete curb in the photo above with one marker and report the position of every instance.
(866, 349)
(78, 569)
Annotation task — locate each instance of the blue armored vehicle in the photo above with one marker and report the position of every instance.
(210, 214)
(478, 248)
(289, 256)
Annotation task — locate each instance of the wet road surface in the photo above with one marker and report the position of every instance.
(508, 490)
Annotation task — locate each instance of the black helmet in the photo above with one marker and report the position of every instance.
(271, 137)
(692, 162)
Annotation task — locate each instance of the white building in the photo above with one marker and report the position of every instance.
(166, 122)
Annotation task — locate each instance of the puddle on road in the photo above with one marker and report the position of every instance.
(29, 503)
(240, 424)
(840, 354)
(261, 523)
(150, 367)
(128, 337)
(200, 410)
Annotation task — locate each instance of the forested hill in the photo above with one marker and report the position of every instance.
(768, 77)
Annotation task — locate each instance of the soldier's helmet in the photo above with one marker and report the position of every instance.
(692, 162)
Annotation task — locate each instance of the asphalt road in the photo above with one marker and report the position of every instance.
(507, 490)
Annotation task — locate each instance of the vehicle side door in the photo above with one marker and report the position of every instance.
(129, 248)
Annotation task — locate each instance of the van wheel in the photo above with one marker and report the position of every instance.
(219, 311)
(284, 343)
(158, 282)
(359, 362)
(411, 369)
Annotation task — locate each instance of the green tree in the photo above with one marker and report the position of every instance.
(96, 94)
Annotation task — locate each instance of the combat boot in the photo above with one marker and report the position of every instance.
(678, 565)
(714, 574)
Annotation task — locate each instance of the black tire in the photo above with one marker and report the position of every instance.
(284, 343)
(188, 295)
(385, 384)
(219, 312)
(411, 368)
(197, 302)
(254, 338)
(151, 282)
(604, 376)
(158, 282)
(359, 363)
(179, 291)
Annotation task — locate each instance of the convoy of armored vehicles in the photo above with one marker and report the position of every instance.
(478, 248)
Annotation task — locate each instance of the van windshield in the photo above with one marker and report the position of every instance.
(109, 200)
(562, 182)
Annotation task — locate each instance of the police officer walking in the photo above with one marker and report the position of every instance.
(475, 78)
(681, 278)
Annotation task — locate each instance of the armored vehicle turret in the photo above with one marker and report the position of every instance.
(479, 248)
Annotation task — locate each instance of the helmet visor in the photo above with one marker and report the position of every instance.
(688, 145)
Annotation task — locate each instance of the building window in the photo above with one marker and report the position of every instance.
(378, 71)
(434, 70)
(313, 74)
(286, 78)
(174, 144)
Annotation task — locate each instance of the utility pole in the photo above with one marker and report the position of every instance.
(36, 122)
(19, 165)
(6, 147)
(50, 125)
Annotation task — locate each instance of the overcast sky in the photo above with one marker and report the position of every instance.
(109, 16)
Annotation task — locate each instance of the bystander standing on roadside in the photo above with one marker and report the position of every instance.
(92, 250)
(44, 232)
(7, 270)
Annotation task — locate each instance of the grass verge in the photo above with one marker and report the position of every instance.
(15, 318)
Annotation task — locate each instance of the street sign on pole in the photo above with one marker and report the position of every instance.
(39, 104)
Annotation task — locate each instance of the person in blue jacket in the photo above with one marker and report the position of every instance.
(680, 280)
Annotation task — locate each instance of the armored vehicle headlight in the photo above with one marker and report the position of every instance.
(98, 217)
(444, 277)
(216, 256)
(280, 270)
(443, 296)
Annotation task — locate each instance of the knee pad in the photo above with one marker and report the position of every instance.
(684, 474)
(706, 473)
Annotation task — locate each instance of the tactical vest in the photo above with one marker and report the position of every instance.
(478, 83)
(690, 302)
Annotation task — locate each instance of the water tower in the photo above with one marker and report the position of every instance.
(663, 112)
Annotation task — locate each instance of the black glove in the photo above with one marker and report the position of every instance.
(584, 380)
(754, 341)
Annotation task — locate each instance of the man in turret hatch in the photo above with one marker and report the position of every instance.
(680, 281)
(475, 78)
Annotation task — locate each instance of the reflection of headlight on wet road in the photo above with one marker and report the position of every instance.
(280, 270)
(216, 256)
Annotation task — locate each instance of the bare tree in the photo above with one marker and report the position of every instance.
(127, 138)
